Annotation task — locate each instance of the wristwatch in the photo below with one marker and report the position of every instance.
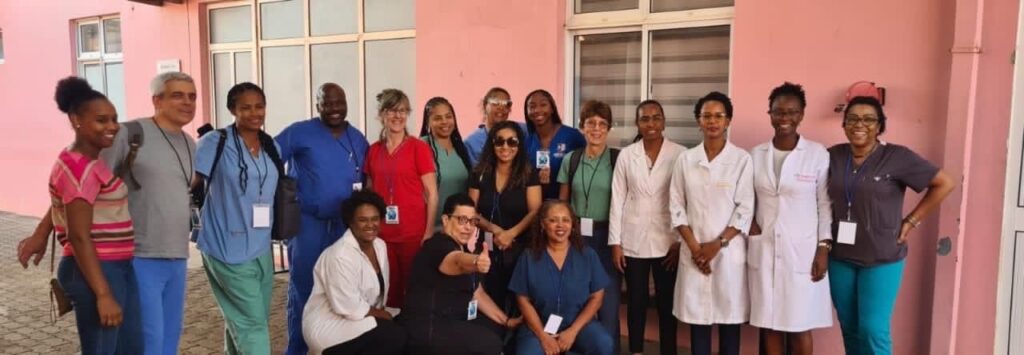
(725, 242)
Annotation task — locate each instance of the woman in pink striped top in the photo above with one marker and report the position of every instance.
(90, 216)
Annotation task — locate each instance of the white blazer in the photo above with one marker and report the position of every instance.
(708, 197)
(794, 212)
(638, 219)
(344, 288)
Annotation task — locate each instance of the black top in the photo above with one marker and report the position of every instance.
(506, 208)
(431, 292)
(380, 283)
(876, 188)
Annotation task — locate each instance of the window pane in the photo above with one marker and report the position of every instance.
(115, 88)
(686, 64)
(332, 17)
(386, 15)
(609, 71)
(338, 63)
(231, 24)
(112, 35)
(221, 84)
(585, 6)
(89, 38)
(281, 19)
(1, 45)
(389, 64)
(677, 5)
(93, 73)
(243, 67)
(284, 82)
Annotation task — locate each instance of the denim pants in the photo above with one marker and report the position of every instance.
(94, 338)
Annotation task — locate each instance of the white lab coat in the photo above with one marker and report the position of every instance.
(345, 286)
(708, 197)
(794, 212)
(637, 218)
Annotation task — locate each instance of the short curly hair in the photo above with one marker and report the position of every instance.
(358, 199)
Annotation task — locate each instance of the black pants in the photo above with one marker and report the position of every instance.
(637, 293)
(443, 337)
(503, 263)
(728, 339)
(386, 338)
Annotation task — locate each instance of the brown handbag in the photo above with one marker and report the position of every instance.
(60, 304)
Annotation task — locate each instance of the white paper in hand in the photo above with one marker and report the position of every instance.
(554, 321)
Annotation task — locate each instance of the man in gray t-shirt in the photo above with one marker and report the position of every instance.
(159, 205)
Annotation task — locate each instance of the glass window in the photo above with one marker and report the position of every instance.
(332, 17)
(281, 19)
(93, 73)
(222, 82)
(337, 63)
(231, 24)
(88, 38)
(285, 86)
(389, 64)
(389, 15)
(1, 46)
(112, 36)
(609, 71)
(686, 64)
(585, 6)
(243, 67)
(677, 5)
(114, 80)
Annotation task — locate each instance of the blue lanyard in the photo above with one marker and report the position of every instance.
(558, 281)
(850, 179)
(351, 149)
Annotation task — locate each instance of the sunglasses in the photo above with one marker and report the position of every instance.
(511, 142)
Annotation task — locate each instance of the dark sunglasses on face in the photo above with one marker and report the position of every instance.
(511, 142)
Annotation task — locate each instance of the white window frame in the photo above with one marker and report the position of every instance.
(640, 19)
(101, 58)
(2, 54)
(257, 44)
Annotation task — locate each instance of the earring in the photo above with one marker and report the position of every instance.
(77, 126)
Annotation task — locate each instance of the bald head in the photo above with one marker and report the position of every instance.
(332, 105)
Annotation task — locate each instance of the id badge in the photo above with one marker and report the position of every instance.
(391, 215)
(489, 240)
(471, 310)
(543, 159)
(554, 321)
(587, 227)
(357, 186)
(261, 215)
(195, 218)
(847, 232)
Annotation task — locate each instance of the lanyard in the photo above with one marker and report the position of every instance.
(350, 149)
(390, 158)
(261, 175)
(558, 280)
(850, 178)
(590, 183)
(188, 179)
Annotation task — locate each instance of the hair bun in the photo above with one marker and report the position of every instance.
(69, 90)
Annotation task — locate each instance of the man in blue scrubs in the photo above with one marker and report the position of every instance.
(325, 154)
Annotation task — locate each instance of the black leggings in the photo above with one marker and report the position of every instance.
(637, 293)
(454, 337)
(386, 338)
(728, 339)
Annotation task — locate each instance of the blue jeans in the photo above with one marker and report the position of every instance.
(608, 314)
(94, 338)
(162, 294)
(303, 251)
(864, 298)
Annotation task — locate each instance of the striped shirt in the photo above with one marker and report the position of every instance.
(75, 176)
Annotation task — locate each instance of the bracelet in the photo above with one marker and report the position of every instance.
(826, 244)
(914, 222)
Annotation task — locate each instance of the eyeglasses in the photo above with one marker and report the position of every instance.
(511, 142)
(402, 112)
(784, 114)
(556, 220)
(500, 102)
(596, 123)
(463, 220)
(866, 121)
(708, 116)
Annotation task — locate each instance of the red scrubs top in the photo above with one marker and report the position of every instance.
(396, 177)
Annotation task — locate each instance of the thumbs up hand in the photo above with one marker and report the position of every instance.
(483, 260)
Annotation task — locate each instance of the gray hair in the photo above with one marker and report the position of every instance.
(159, 83)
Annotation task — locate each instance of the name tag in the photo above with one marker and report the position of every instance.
(391, 214)
(723, 184)
(471, 310)
(587, 227)
(554, 321)
(543, 159)
(847, 232)
(261, 215)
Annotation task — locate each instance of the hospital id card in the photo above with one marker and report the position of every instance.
(391, 214)
(261, 215)
(587, 227)
(554, 321)
(471, 310)
(543, 159)
(847, 232)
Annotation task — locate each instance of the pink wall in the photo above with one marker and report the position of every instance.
(461, 54)
(39, 50)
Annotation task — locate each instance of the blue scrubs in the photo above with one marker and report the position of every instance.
(566, 139)
(563, 292)
(326, 169)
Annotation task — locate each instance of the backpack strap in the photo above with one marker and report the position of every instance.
(574, 164)
(135, 140)
(615, 157)
(216, 157)
(267, 144)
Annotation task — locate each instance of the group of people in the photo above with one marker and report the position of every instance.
(515, 239)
